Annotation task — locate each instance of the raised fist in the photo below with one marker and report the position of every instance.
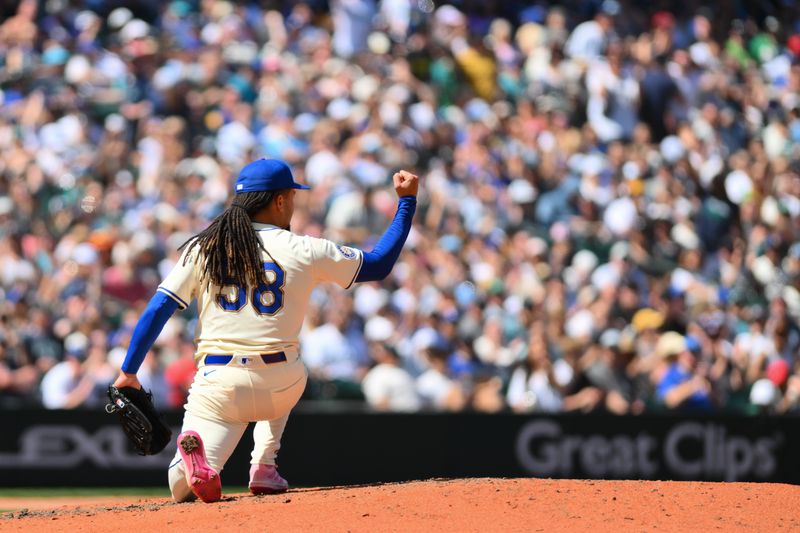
(405, 183)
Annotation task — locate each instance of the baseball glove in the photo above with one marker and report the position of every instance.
(139, 419)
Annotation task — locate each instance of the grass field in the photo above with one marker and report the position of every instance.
(16, 498)
(60, 492)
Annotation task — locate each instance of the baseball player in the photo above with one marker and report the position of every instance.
(252, 278)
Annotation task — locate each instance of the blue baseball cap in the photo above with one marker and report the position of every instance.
(692, 343)
(266, 175)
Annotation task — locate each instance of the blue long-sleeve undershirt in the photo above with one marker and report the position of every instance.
(150, 324)
(379, 262)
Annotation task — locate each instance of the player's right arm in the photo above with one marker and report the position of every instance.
(177, 289)
(379, 262)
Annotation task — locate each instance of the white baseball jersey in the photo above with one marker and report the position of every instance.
(251, 320)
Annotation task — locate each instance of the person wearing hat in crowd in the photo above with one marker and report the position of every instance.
(252, 278)
(681, 386)
(646, 323)
(68, 383)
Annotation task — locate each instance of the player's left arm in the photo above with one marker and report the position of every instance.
(147, 330)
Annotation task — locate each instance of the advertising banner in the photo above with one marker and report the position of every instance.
(86, 448)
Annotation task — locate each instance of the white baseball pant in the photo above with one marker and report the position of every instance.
(223, 399)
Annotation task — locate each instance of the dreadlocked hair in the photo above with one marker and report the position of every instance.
(230, 248)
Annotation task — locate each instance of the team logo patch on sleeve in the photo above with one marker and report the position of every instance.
(346, 251)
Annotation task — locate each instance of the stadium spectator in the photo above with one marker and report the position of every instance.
(437, 389)
(178, 377)
(72, 382)
(681, 384)
(332, 356)
(387, 386)
(534, 385)
(608, 371)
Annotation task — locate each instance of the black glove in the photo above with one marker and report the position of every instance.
(139, 419)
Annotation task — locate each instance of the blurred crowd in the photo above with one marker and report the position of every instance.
(609, 217)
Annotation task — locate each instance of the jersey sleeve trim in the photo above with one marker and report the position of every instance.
(358, 270)
(175, 297)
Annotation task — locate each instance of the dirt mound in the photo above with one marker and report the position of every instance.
(447, 505)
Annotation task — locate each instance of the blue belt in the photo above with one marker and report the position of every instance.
(268, 358)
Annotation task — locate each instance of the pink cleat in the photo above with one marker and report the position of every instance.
(203, 479)
(265, 479)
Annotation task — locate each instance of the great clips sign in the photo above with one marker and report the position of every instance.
(728, 449)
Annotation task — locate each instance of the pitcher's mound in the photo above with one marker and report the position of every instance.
(448, 505)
